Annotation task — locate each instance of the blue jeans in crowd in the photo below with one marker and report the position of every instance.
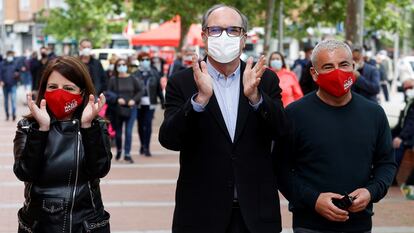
(129, 125)
(145, 116)
(10, 91)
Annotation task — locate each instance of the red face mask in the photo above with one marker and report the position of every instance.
(336, 82)
(62, 103)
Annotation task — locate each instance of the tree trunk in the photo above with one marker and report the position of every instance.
(185, 26)
(280, 47)
(354, 26)
(269, 25)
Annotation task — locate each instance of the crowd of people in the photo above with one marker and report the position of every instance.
(243, 129)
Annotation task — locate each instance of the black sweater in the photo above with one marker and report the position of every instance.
(335, 149)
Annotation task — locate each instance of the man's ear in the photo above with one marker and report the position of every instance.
(244, 39)
(204, 37)
(313, 73)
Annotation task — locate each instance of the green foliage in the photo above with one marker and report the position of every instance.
(191, 11)
(91, 18)
(386, 15)
(379, 14)
(86, 18)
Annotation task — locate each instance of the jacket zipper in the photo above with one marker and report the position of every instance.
(76, 183)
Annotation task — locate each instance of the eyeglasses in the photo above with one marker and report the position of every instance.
(232, 31)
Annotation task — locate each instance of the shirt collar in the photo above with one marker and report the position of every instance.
(217, 75)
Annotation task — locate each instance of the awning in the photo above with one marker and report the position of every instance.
(167, 34)
(194, 36)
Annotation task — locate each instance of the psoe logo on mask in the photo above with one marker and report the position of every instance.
(69, 106)
(348, 83)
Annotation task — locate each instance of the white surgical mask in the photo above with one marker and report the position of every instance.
(85, 52)
(276, 64)
(9, 58)
(122, 69)
(145, 64)
(224, 48)
(111, 67)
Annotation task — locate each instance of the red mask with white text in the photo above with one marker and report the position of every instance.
(336, 82)
(62, 103)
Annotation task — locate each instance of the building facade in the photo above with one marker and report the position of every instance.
(18, 29)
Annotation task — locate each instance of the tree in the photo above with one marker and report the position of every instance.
(158, 10)
(354, 26)
(82, 19)
(269, 25)
(191, 11)
(379, 15)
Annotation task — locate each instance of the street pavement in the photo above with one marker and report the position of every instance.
(140, 196)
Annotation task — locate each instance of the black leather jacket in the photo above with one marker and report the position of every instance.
(61, 170)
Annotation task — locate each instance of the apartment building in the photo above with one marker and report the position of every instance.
(18, 29)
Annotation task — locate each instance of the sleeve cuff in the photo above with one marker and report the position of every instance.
(311, 198)
(371, 189)
(92, 131)
(36, 134)
(196, 106)
(256, 106)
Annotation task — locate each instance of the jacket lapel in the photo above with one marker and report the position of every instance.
(244, 107)
(242, 114)
(214, 109)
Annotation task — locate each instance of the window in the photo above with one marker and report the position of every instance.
(24, 5)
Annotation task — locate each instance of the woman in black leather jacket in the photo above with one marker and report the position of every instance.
(61, 150)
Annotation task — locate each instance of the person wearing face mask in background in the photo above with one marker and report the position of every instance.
(111, 66)
(61, 150)
(95, 68)
(157, 63)
(133, 63)
(26, 76)
(37, 66)
(124, 93)
(149, 79)
(339, 144)
(9, 76)
(368, 76)
(291, 90)
(222, 115)
(184, 60)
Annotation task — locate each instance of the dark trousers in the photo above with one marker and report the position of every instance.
(9, 92)
(145, 116)
(237, 224)
(119, 124)
(384, 88)
(410, 179)
(306, 230)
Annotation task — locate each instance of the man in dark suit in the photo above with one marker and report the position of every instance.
(368, 76)
(222, 116)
